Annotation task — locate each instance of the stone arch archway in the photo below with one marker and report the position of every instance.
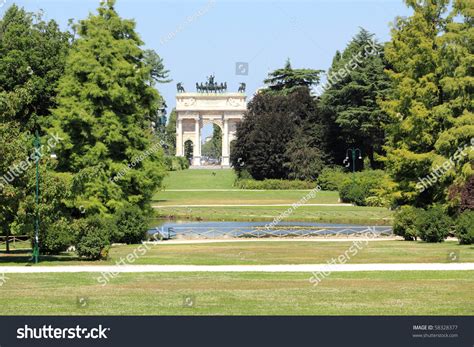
(193, 110)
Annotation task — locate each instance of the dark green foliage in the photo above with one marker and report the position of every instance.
(433, 224)
(287, 79)
(465, 228)
(276, 134)
(13, 190)
(92, 235)
(406, 223)
(53, 209)
(56, 237)
(273, 184)
(356, 81)
(305, 159)
(131, 225)
(356, 188)
(32, 59)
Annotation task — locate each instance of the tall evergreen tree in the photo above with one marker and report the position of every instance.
(105, 107)
(287, 79)
(356, 80)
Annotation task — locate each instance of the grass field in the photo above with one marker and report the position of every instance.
(356, 293)
(261, 197)
(268, 252)
(328, 214)
(175, 197)
(200, 179)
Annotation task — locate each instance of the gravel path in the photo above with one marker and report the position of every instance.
(250, 205)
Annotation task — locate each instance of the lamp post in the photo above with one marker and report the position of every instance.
(353, 152)
(37, 145)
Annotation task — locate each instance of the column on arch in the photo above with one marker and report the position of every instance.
(225, 142)
(197, 142)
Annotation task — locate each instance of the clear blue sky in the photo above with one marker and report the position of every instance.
(197, 38)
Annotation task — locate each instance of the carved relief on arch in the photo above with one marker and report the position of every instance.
(186, 101)
(234, 102)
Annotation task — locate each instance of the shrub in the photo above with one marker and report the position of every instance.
(131, 225)
(465, 228)
(92, 237)
(358, 188)
(273, 184)
(405, 223)
(433, 224)
(176, 163)
(331, 178)
(56, 238)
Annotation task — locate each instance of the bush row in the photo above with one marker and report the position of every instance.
(433, 225)
(273, 184)
(92, 236)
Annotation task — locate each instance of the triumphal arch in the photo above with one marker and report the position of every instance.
(210, 103)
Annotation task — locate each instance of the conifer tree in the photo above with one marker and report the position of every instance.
(431, 106)
(106, 104)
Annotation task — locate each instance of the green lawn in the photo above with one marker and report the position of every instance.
(241, 197)
(328, 214)
(223, 179)
(268, 252)
(200, 179)
(354, 293)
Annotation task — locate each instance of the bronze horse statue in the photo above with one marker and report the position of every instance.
(211, 86)
(242, 87)
(180, 87)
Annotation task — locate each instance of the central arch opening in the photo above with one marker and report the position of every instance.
(211, 147)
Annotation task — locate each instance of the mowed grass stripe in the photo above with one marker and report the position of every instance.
(360, 293)
(267, 253)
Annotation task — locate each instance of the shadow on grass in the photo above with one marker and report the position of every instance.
(23, 257)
